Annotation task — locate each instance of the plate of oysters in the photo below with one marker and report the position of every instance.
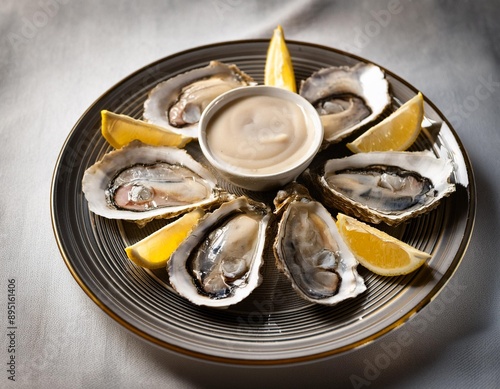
(295, 268)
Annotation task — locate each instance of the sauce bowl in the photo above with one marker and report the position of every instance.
(260, 137)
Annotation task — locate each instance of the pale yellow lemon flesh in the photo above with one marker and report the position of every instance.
(378, 251)
(397, 132)
(154, 251)
(120, 130)
(279, 69)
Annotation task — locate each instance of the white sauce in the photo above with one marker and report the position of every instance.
(260, 134)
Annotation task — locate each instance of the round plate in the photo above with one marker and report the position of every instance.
(273, 325)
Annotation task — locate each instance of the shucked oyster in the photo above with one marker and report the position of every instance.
(385, 186)
(140, 183)
(347, 98)
(310, 251)
(219, 262)
(178, 102)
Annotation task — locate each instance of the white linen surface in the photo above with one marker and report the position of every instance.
(58, 56)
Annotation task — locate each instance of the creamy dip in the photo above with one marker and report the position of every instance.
(260, 134)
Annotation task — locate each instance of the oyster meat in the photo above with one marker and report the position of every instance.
(219, 262)
(347, 98)
(178, 102)
(310, 251)
(388, 187)
(140, 182)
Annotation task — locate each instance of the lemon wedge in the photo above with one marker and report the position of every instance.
(378, 251)
(120, 130)
(279, 69)
(396, 132)
(154, 251)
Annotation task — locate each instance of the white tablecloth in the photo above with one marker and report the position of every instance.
(58, 56)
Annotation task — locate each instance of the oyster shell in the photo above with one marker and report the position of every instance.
(310, 251)
(178, 102)
(140, 182)
(219, 262)
(347, 98)
(388, 187)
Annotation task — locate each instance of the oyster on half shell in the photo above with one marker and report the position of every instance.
(388, 187)
(140, 183)
(219, 263)
(178, 102)
(310, 251)
(347, 98)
